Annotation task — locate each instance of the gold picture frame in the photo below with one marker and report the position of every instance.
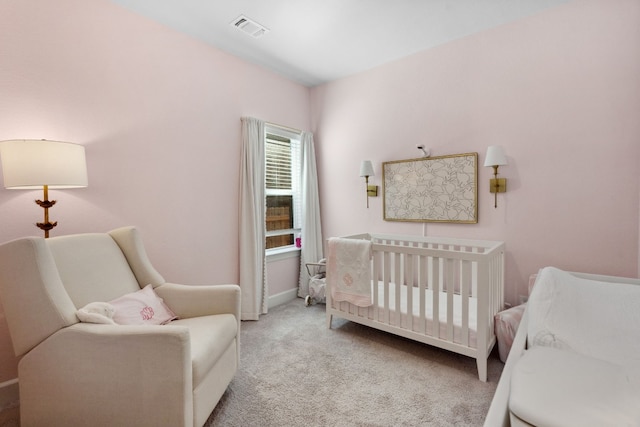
(431, 189)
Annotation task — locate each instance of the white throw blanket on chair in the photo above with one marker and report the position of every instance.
(349, 270)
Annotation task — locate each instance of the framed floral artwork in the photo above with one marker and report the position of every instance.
(432, 189)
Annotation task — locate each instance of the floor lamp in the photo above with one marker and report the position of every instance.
(28, 164)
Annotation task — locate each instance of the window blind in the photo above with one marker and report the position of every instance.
(278, 163)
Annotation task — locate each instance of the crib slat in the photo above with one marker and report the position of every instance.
(409, 281)
(474, 272)
(483, 307)
(422, 279)
(465, 277)
(398, 288)
(435, 291)
(373, 314)
(385, 286)
(450, 283)
(442, 269)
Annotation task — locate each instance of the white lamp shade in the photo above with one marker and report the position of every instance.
(495, 156)
(366, 168)
(28, 164)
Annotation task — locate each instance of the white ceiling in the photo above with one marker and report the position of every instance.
(315, 41)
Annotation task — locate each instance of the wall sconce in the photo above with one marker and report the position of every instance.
(29, 164)
(495, 157)
(366, 170)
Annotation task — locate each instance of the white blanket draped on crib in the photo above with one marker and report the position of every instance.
(349, 271)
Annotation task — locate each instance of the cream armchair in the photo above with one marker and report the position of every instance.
(74, 374)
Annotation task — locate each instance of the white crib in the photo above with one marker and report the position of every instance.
(457, 287)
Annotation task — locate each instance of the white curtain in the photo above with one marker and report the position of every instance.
(311, 232)
(253, 276)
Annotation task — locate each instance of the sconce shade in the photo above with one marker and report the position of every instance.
(495, 156)
(30, 164)
(366, 168)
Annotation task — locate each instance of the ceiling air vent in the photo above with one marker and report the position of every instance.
(249, 26)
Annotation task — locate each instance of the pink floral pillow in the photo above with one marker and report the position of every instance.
(143, 307)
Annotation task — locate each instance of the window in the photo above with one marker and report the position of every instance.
(282, 187)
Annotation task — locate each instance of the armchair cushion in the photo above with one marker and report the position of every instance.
(92, 267)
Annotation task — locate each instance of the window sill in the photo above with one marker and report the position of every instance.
(284, 252)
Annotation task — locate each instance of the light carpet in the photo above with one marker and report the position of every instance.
(296, 372)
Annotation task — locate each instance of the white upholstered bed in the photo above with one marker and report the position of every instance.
(439, 291)
(575, 359)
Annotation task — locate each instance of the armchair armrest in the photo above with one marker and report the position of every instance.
(201, 300)
(145, 370)
(498, 414)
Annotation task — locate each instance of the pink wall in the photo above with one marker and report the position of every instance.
(560, 91)
(283, 274)
(159, 114)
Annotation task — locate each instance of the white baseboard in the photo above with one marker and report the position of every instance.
(282, 297)
(9, 396)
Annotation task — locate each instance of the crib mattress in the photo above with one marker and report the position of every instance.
(413, 319)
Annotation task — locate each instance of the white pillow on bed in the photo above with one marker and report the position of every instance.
(597, 319)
